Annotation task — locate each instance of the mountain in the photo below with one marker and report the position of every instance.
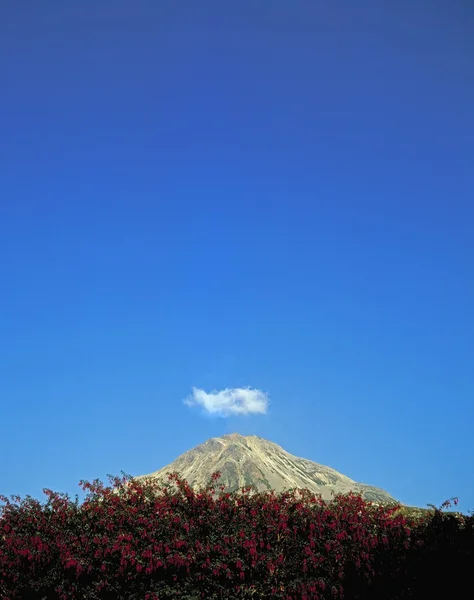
(252, 460)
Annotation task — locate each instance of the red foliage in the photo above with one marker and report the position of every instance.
(145, 540)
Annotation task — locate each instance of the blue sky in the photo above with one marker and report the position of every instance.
(217, 195)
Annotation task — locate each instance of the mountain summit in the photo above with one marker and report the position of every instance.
(252, 460)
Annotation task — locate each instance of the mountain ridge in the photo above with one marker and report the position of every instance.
(254, 461)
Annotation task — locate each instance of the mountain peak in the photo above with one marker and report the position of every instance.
(238, 437)
(253, 461)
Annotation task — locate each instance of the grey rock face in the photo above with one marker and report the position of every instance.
(251, 460)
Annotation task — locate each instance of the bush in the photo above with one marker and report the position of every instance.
(142, 539)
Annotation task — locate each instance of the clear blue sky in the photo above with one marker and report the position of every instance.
(267, 194)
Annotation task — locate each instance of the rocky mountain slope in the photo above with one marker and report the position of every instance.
(252, 460)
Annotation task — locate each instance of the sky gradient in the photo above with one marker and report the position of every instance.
(258, 194)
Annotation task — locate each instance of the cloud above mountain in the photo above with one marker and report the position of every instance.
(230, 401)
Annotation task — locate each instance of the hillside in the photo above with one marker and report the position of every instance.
(252, 460)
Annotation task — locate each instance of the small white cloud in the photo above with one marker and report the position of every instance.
(234, 401)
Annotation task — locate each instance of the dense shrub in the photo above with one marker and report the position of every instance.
(144, 540)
